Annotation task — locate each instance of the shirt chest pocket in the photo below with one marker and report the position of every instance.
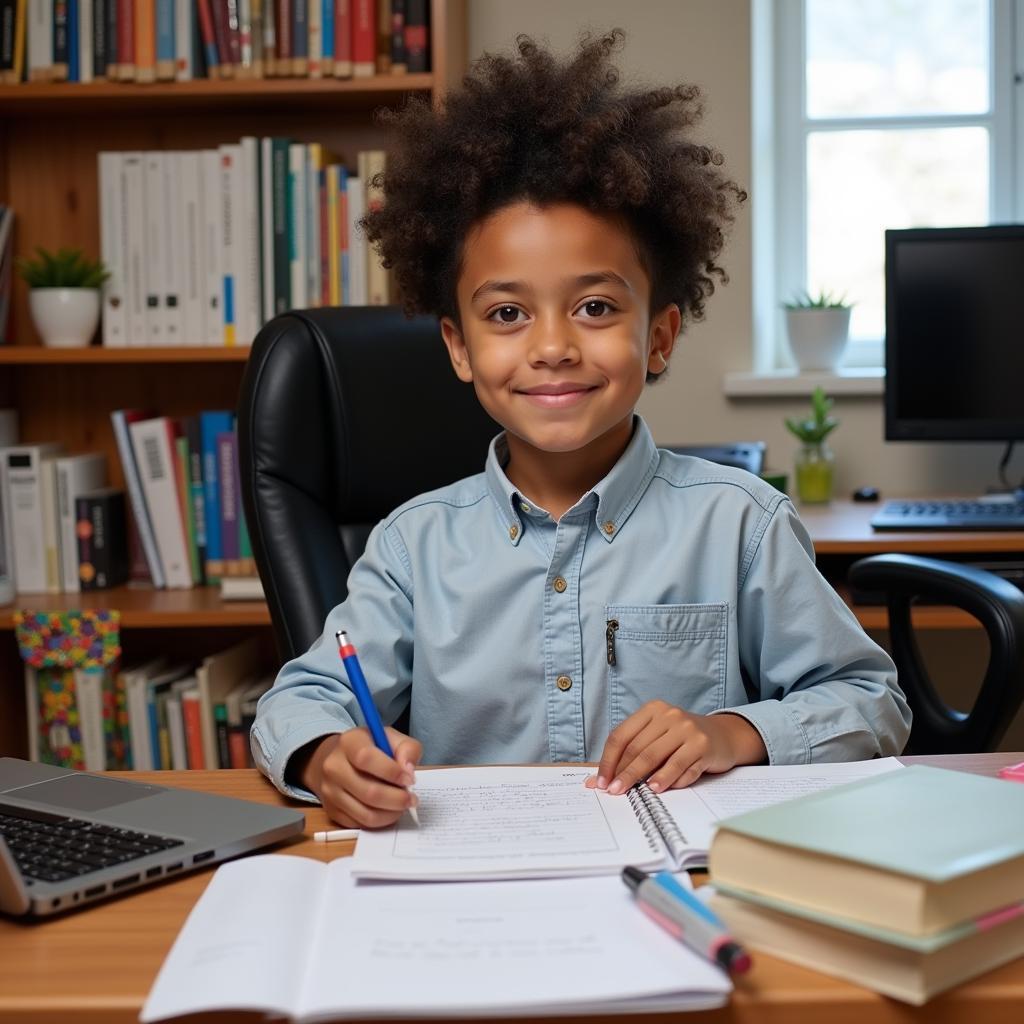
(670, 652)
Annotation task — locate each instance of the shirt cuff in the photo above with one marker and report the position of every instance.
(782, 735)
(274, 762)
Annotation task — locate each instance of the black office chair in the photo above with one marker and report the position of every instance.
(996, 603)
(748, 455)
(343, 415)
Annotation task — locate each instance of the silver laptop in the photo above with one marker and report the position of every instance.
(68, 838)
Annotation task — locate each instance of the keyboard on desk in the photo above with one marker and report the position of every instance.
(950, 515)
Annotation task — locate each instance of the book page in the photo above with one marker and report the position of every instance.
(698, 810)
(244, 945)
(451, 948)
(504, 822)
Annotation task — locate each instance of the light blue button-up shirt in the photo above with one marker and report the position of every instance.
(514, 638)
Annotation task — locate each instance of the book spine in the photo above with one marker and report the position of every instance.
(226, 458)
(51, 524)
(267, 225)
(86, 39)
(327, 36)
(343, 243)
(197, 497)
(8, 10)
(417, 35)
(120, 420)
(314, 28)
(113, 44)
(229, 242)
(145, 41)
(184, 30)
(59, 66)
(256, 32)
(297, 179)
(134, 289)
(342, 38)
(234, 38)
(324, 238)
(74, 41)
(357, 248)
(182, 472)
(75, 476)
(377, 276)
(300, 38)
(206, 31)
(364, 38)
(333, 235)
(17, 72)
(102, 540)
(126, 40)
(270, 37)
(154, 256)
(165, 32)
(176, 733)
(177, 256)
(113, 244)
(40, 41)
(281, 255)
(399, 62)
(283, 16)
(190, 713)
(153, 442)
(156, 718)
(213, 317)
(89, 696)
(249, 271)
(24, 504)
(193, 285)
(314, 161)
(245, 39)
(100, 49)
(222, 33)
(383, 47)
(138, 727)
(220, 719)
(211, 425)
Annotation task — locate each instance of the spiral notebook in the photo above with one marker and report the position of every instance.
(539, 822)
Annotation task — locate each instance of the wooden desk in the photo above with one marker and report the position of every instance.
(841, 533)
(97, 965)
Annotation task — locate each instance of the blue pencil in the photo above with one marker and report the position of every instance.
(350, 660)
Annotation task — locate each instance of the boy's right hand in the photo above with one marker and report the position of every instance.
(359, 785)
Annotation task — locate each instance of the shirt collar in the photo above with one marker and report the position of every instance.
(611, 500)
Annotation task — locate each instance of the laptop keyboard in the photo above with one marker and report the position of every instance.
(52, 848)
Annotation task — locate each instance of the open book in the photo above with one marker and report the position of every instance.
(516, 822)
(315, 945)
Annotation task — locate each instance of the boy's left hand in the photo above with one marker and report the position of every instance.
(671, 748)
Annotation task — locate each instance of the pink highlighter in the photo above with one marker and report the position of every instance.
(1013, 772)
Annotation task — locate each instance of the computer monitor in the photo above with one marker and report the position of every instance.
(954, 340)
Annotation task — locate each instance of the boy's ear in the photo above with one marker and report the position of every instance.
(664, 329)
(457, 352)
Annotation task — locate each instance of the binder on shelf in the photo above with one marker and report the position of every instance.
(22, 486)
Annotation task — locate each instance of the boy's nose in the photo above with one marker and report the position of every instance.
(552, 343)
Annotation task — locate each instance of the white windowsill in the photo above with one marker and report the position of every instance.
(791, 384)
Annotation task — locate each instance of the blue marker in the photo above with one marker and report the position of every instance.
(350, 660)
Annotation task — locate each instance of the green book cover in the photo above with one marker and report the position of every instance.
(928, 823)
(185, 489)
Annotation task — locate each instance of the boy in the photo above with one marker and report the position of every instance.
(587, 595)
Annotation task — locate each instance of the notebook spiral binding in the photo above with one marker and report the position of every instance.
(659, 826)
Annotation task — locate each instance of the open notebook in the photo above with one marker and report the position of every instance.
(520, 822)
(315, 945)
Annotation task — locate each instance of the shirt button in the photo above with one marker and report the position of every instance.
(608, 527)
(524, 507)
(559, 584)
(513, 532)
(563, 683)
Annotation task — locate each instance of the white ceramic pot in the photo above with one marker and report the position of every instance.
(817, 337)
(65, 317)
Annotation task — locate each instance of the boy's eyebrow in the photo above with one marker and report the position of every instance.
(518, 287)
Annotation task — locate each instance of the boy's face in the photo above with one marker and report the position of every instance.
(556, 335)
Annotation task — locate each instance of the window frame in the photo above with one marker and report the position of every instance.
(780, 130)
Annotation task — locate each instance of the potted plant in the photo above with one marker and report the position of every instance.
(818, 327)
(814, 460)
(64, 296)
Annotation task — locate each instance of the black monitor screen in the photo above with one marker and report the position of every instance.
(954, 345)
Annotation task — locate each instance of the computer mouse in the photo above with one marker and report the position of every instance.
(866, 494)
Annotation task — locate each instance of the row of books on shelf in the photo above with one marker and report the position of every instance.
(150, 716)
(204, 247)
(180, 524)
(178, 40)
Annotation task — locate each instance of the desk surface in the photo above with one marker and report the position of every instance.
(97, 965)
(844, 528)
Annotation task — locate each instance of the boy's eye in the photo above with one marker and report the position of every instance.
(506, 314)
(596, 308)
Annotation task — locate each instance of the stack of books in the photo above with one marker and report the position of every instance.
(178, 40)
(204, 247)
(908, 883)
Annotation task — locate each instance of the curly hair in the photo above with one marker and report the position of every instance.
(546, 131)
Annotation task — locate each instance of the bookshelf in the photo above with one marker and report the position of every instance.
(50, 135)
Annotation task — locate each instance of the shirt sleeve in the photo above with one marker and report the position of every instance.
(827, 692)
(311, 696)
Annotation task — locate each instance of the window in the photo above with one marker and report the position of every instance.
(883, 114)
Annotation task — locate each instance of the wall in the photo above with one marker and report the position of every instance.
(708, 42)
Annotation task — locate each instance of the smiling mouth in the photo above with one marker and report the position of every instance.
(557, 396)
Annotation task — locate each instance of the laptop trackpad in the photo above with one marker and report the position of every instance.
(83, 792)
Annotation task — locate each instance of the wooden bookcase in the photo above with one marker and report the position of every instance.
(50, 135)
